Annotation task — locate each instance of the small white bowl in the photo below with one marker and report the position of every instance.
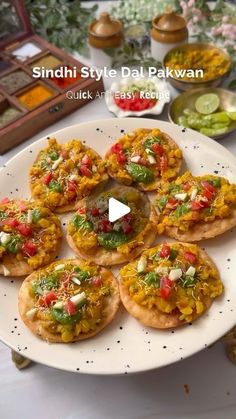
(161, 89)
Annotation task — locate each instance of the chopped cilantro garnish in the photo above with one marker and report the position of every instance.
(54, 155)
(81, 275)
(162, 202)
(152, 279)
(3, 215)
(181, 210)
(14, 243)
(46, 283)
(150, 141)
(36, 215)
(55, 186)
(173, 188)
(81, 223)
(188, 281)
(173, 254)
(216, 182)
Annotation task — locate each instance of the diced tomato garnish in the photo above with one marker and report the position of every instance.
(208, 194)
(5, 201)
(186, 186)
(127, 217)
(70, 307)
(158, 149)
(105, 226)
(81, 210)
(163, 163)
(208, 186)
(172, 203)
(95, 212)
(121, 158)
(87, 161)
(29, 248)
(85, 171)
(47, 179)
(96, 281)
(24, 229)
(22, 206)
(48, 298)
(209, 190)
(165, 251)
(64, 154)
(190, 257)
(72, 186)
(197, 205)
(165, 287)
(126, 227)
(11, 222)
(117, 148)
(134, 103)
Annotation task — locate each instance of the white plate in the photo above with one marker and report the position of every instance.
(125, 346)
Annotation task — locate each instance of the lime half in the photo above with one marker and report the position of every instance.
(207, 103)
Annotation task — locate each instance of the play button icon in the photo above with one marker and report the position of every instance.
(116, 209)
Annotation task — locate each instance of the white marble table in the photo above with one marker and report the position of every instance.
(41, 392)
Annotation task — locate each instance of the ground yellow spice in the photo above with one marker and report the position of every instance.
(35, 96)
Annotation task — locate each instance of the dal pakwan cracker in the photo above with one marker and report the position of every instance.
(169, 285)
(93, 237)
(68, 301)
(65, 173)
(194, 208)
(143, 158)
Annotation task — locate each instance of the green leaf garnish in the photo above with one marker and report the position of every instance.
(140, 173)
(64, 318)
(112, 240)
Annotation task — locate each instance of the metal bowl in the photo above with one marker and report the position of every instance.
(197, 83)
(188, 99)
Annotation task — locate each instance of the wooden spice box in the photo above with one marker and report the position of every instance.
(22, 114)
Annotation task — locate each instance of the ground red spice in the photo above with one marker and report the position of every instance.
(64, 82)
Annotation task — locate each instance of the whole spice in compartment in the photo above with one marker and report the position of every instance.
(15, 81)
(8, 115)
(34, 96)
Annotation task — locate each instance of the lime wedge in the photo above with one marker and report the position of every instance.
(207, 103)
